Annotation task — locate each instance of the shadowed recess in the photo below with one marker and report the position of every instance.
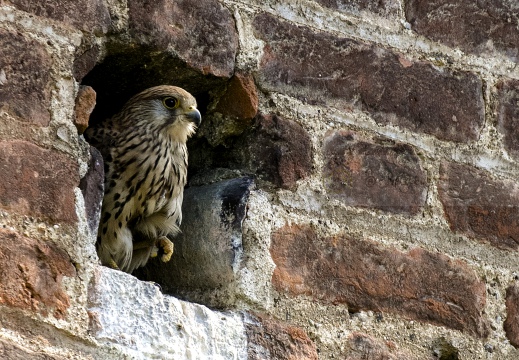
(123, 74)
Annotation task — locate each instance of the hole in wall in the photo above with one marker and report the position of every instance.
(234, 150)
(124, 73)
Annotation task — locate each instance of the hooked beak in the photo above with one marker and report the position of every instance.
(194, 116)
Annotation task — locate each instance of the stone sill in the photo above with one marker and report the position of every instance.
(143, 323)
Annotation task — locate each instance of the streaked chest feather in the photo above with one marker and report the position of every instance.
(150, 177)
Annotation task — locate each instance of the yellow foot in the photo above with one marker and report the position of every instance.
(167, 247)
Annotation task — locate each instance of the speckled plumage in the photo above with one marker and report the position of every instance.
(145, 155)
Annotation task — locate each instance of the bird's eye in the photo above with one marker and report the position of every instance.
(170, 102)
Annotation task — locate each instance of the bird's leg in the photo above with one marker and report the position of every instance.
(143, 244)
(112, 264)
(154, 251)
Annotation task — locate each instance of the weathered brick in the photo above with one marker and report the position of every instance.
(364, 347)
(85, 103)
(508, 114)
(87, 15)
(382, 7)
(322, 68)
(370, 175)
(511, 324)
(233, 113)
(417, 284)
(202, 33)
(240, 99)
(32, 273)
(276, 149)
(38, 182)
(479, 206)
(473, 26)
(268, 338)
(24, 78)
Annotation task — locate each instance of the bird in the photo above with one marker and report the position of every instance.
(145, 160)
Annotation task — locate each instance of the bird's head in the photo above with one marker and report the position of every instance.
(164, 108)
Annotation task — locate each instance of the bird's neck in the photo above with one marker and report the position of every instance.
(179, 132)
(177, 165)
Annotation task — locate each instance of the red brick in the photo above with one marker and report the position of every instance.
(87, 15)
(366, 174)
(85, 103)
(268, 338)
(508, 114)
(32, 271)
(38, 182)
(324, 69)
(276, 149)
(24, 78)
(479, 206)
(511, 324)
(364, 347)
(417, 284)
(202, 33)
(233, 113)
(382, 7)
(240, 99)
(473, 26)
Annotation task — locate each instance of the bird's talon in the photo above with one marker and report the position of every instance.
(167, 246)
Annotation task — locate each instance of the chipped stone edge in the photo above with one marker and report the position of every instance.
(136, 318)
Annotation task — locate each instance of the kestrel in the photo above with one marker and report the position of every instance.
(145, 155)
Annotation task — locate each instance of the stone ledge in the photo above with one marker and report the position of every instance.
(137, 318)
(133, 319)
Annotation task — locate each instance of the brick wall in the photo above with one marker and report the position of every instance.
(352, 189)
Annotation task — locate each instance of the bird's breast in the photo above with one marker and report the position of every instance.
(166, 179)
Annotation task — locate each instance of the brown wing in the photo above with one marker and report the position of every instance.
(102, 136)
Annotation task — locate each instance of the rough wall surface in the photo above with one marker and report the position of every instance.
(379, 214)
